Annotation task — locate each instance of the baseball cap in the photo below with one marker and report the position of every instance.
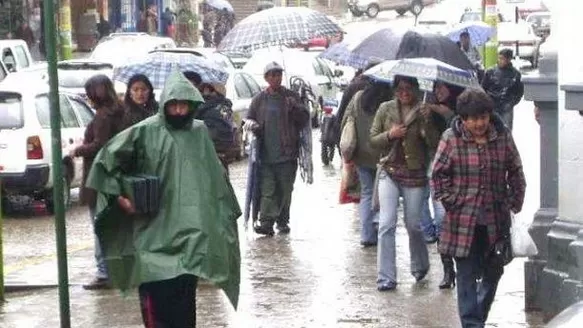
(273, 66)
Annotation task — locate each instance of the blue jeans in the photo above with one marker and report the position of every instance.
(477, 282)
(99, 259)
(431, 226)
(368, 216)
(389, 192)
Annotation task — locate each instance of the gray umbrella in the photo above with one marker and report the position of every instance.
(278, 26)
(398, 43)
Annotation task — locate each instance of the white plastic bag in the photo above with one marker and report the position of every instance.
(522, 243)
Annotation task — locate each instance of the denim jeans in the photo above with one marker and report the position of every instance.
(368, 216)
(431, 225)
(477, 282)
(389, 192)
(99, 259)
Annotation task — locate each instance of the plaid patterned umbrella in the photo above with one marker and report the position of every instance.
(158, 65)
(428, 69)
(278, 26)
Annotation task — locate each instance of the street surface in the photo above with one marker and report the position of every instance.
(318, 276)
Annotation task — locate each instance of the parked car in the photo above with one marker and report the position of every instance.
(73, 74)
(15, 55)
(25, 138)
(509, 34)
(372, 7)
(319, 75)
(118, 49)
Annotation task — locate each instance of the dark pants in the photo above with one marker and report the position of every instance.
(476, 282)
(277, 185)
(169, 303)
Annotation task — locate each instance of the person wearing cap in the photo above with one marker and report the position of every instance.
(276, 116)
(504, 84)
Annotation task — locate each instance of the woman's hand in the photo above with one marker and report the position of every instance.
(397, 131)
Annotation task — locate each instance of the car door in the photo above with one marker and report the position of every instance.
(13, 137)
(20, 53)
(326, 81)
(71, 136)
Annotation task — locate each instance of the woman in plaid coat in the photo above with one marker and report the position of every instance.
(478, 177)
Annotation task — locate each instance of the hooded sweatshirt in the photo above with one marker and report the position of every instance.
(195, 229)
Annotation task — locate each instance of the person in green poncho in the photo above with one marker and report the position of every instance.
(194, 231)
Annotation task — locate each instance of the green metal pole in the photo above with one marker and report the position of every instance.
(1, 248)
(491, 18)
(60, 227)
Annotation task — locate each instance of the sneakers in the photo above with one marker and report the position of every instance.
(419, 275)
(391, 285)
(97, 283)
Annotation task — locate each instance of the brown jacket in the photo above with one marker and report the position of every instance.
(292, 119)
(106, 124)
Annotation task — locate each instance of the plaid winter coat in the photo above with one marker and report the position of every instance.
(471, 180)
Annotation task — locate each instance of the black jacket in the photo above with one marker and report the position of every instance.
(505, 87)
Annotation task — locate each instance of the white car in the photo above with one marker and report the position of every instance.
(25, 138)
(124, 47)
(509, 34)
(74, 73)
(317, 72)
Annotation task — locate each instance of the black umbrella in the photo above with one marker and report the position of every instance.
(392, 43)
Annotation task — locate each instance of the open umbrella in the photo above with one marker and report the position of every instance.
(396, 43)
(425, 69)
(479, 32)
(220, 4)
(278, 26)
(158, 65)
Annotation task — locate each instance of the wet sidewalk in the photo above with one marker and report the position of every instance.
(318, 276)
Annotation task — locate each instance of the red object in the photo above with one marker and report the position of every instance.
(327, 110)
(171, 31)
(349, 185)
(34, 148)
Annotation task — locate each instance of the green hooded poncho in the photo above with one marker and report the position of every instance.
(195, 230)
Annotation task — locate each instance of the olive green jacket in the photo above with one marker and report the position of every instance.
(419, 143)
(365, 155)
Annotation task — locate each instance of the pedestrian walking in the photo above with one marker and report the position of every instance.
(407, 142)
(140, 100)
(442, 113)
(24, 32)
(478, 177)
(152, 19)
(192, 234)
(362, 110)
(106, 123)
(276, 116)
(503, 83)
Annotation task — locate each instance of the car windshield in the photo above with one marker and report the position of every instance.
(512, 32)
(10, 111)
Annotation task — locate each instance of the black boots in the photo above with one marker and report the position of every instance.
(448, 273)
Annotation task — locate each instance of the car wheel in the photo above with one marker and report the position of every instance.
(373, 10)
(49, 198)
(416, 8)
(401, 12)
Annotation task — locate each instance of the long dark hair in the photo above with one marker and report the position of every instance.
(108, 100)
(151, 103)
(374, 94)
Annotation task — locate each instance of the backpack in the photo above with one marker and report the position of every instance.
(218, 118)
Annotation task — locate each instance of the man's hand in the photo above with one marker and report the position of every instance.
(126, 205)
(397, 131)
(426, 110)
(250, 125)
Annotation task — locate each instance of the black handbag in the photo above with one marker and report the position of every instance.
(500, 253)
